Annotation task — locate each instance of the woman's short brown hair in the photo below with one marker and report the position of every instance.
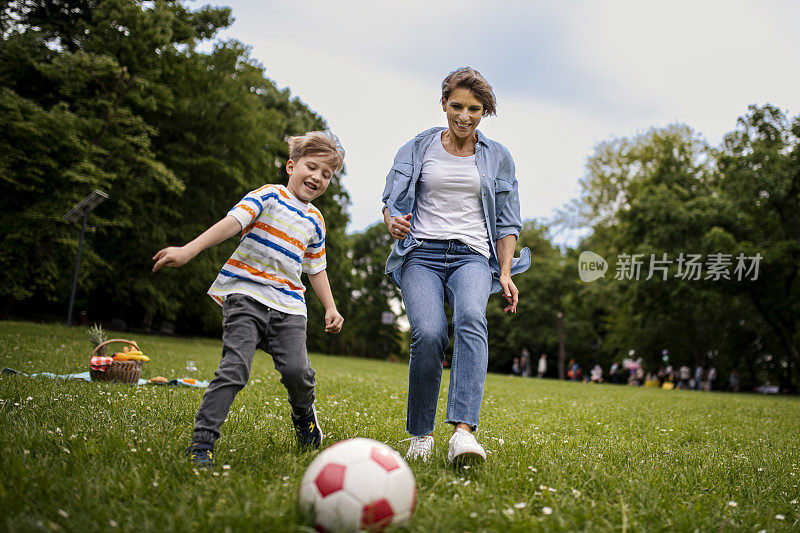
(471, 79)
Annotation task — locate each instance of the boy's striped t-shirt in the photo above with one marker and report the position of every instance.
(282, 237)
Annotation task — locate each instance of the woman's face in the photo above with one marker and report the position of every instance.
(464, 112)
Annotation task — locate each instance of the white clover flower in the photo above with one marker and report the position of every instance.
(547, 510)
(779, 517)
(732, 504)
(520, 505)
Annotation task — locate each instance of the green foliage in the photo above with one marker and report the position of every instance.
(667, 192)
(84, 456)
(370, 293)
(113, 95)
(543, 293)
(760, 180)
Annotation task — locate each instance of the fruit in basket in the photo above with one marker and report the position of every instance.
(125, 349)
(136, 355)
(119, 356)
(97, 336)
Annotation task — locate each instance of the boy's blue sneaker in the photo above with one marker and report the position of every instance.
(202, 455)
(307, 430)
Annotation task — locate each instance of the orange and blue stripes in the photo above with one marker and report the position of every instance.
(282, 237)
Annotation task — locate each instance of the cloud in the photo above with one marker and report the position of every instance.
(567, 75)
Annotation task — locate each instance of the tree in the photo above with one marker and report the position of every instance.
(114, 95)
(667, 193)
(760, 180)
(370, 294)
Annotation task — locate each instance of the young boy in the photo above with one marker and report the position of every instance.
(260, 290)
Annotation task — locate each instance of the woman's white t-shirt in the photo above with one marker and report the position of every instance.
(449, 200)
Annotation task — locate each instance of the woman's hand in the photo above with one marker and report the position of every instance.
(398, 226)
(510, 293)
(505, 253)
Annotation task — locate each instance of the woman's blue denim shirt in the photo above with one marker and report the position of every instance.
(499, 197)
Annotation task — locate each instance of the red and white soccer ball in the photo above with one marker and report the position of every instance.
(358, 484)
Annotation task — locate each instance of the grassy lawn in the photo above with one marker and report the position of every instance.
(81, 456)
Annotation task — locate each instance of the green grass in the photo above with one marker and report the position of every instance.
(81, 456)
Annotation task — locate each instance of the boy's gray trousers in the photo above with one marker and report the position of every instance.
(248, 324)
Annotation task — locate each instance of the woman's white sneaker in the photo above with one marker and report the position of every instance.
(464, 446)
(420, 447)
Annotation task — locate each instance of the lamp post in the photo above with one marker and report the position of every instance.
(387, 319)
(81, 212)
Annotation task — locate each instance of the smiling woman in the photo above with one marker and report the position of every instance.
(452, 205)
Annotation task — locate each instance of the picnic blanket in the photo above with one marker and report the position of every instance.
(184, 382)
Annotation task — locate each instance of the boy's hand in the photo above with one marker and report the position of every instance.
(333, 321)
(172, 256)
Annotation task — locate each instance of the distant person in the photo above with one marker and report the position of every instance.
(525, 363)
(637, 376)
(260, 291)
(661, 375)
(596, 374)
(733, 381)
(541, 367)
(515, 366)
(574, 373)
(684, 374)
(711, 377)
(669, 375)
(614, 372)
(452, 204)
(698, 377)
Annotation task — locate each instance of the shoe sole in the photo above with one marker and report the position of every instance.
(468, 458)
(316, 421)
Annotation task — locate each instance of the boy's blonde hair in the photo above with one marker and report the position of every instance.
(317, 142)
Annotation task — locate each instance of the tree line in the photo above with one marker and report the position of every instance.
(703, 252)
(117, 95)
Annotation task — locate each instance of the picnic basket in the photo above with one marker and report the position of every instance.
(119, 371)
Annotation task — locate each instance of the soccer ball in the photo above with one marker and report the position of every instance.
(358, 484)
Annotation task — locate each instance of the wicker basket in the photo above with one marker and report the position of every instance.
(119, 371)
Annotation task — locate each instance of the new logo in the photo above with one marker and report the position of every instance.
(591, 266)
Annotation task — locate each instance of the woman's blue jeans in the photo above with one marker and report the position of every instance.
(435, 272)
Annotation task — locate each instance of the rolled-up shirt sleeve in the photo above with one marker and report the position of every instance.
(398, 178)
(509, 220)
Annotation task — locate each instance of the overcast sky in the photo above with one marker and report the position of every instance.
(567, 75)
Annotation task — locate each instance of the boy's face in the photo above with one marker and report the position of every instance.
(310, 175)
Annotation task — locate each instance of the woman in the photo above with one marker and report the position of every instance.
(451, 202)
